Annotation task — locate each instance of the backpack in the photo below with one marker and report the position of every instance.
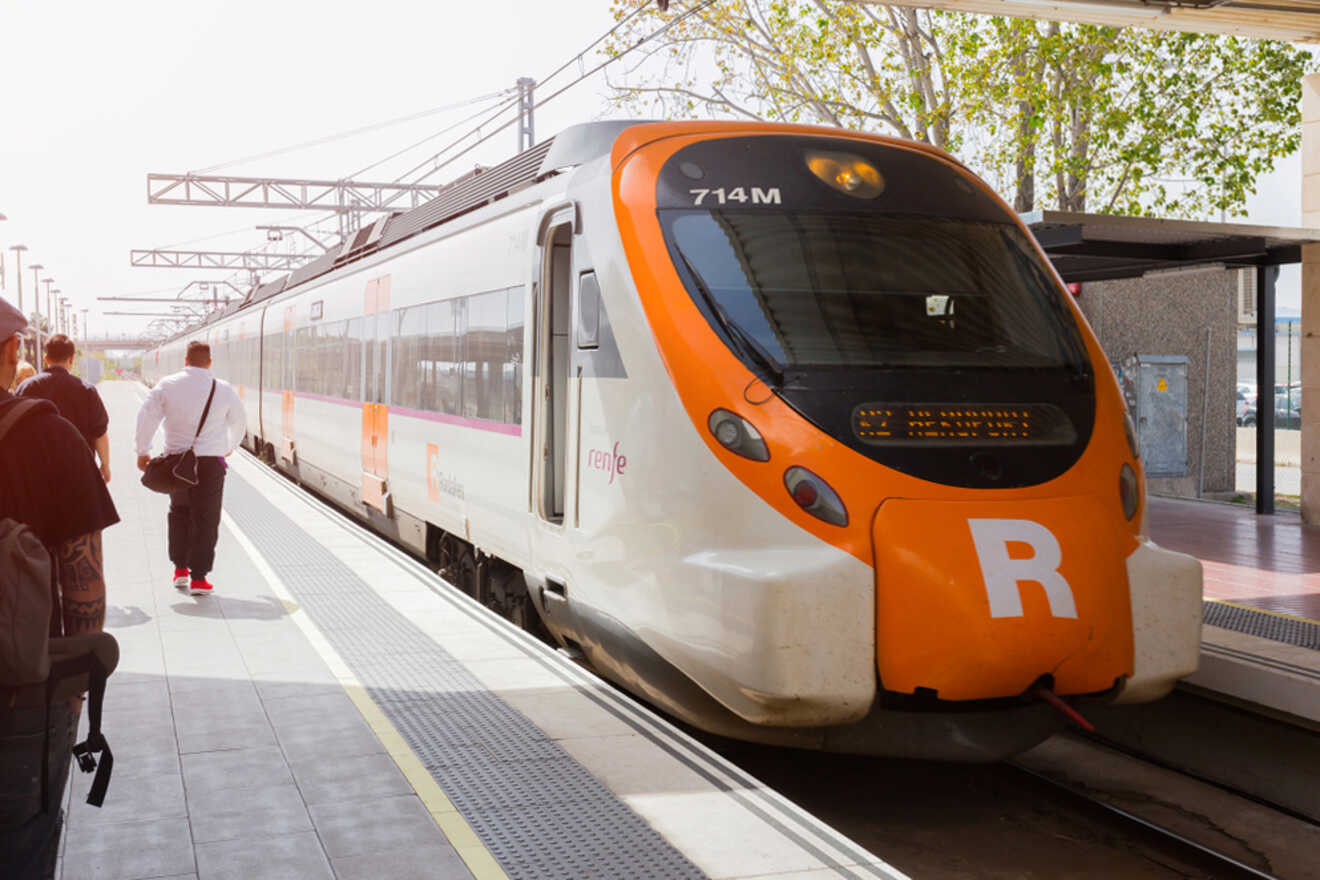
(38, 664)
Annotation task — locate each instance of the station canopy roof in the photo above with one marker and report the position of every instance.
(1292, 20)
(1099, 247)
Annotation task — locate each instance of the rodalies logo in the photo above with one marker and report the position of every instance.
(607, 460)
(438, 483)
(1003, 574)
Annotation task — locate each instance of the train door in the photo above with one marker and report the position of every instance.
(286, 387)
(375, 408)
(552, 437)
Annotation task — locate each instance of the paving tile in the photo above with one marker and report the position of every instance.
(127, 850)
(289, 857)
(346, 779)
(329, 742)
(128, 766)
(245, 736)
(283, 688)
(311, 707)
(563, 713)
(127, 800)
(421, 863)
(249, 813)
(230, 715)
(357, 828)
(137, 707)
(186, 690)
(318, 715)
(209, 772)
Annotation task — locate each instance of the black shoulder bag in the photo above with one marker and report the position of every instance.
(178, 470)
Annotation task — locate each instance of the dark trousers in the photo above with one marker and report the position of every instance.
(29, 835)
(195, 518)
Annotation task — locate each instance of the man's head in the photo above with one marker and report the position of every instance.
(59, 351)
(198, 355)
(12, 327)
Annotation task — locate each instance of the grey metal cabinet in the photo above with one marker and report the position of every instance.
(1160, 412)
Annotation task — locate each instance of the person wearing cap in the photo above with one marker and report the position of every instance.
(49, 482)
(77, 401)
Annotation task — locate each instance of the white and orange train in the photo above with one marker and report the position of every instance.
(793, 432)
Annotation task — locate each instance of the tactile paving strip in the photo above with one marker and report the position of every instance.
(538, 811)
(1289, 630)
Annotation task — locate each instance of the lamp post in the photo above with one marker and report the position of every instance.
(52, 309)
(64, 314)
(36, 299)
(18, 271)
(87, 356)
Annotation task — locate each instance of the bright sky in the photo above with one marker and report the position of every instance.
(99, 94)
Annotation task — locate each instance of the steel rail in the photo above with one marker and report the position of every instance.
(1197, 854)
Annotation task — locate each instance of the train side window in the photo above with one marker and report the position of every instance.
(336, 362)
(442, 358)
(410, 336)
(588, 315)
(353, 339)
(484, 353)
(304, 377)
(513, 362)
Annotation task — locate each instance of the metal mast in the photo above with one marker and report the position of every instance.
(526, 132)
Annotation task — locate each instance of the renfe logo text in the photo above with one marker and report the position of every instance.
(608, 460)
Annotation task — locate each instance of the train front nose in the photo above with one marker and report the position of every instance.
(977, 600)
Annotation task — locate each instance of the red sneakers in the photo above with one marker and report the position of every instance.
(180, 578)
(199, 588)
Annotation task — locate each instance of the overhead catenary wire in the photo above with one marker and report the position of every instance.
(698, 7)
(594, 43)
(489, 114)
(492, 115)
(448, 128)
(431, 160)
(365, 129)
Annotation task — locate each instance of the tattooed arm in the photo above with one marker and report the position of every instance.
(82, 583)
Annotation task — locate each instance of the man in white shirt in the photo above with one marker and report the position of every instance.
(194, 519)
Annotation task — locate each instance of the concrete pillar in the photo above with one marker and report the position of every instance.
(1310, 303)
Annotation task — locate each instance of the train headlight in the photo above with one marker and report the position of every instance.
(848, 173)
(1129, 493)
(1131, 430)
(737, 435)
(815, 496)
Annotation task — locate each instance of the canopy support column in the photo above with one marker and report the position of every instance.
(1310, 342)
(1265, 360)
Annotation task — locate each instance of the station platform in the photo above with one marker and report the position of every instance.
(1261, 635)
(336, 710)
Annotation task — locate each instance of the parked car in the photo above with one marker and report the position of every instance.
(1285, 415)
(1246, 400)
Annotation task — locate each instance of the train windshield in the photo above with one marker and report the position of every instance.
(793, 290)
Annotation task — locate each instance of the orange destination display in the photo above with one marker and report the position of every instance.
(929, 423)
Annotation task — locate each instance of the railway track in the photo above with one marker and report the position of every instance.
(1068, 809)
(1211, 862)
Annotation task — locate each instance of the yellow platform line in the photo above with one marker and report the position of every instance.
(1282, 614)
(446, 816)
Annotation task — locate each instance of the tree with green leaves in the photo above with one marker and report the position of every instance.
(1067, 116)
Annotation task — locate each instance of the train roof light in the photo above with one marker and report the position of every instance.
(848, 173)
